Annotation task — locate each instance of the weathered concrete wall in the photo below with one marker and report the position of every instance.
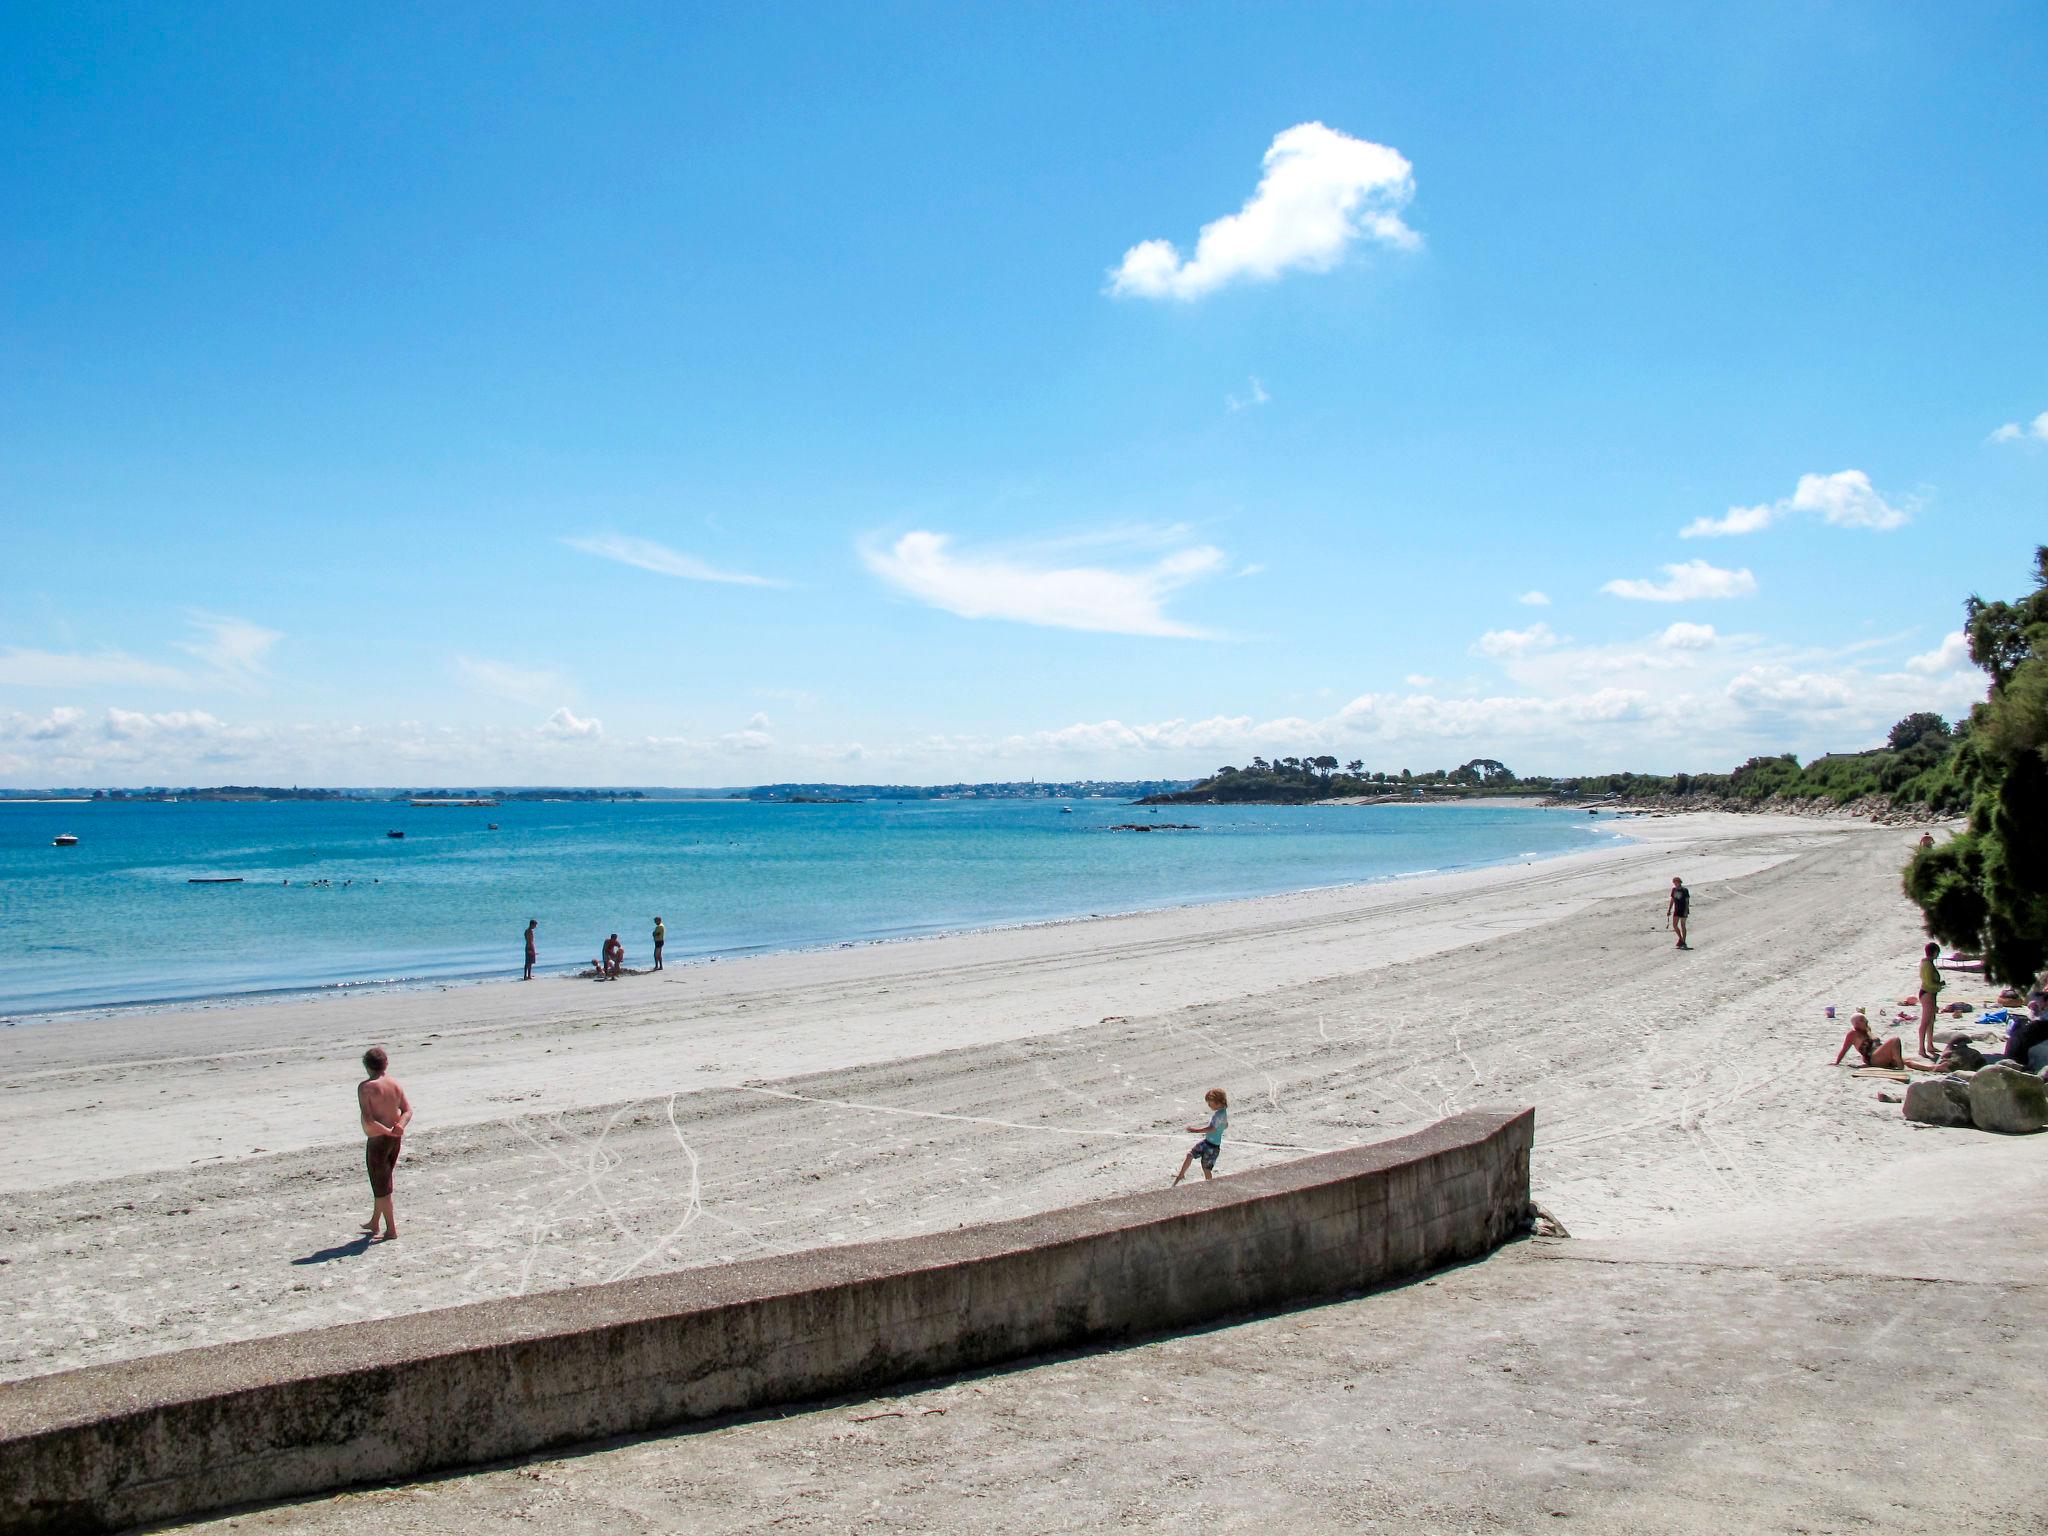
(174, 1434)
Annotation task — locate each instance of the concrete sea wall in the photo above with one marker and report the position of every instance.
(171, 1435)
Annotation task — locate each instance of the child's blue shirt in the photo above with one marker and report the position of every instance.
(1217, 1123)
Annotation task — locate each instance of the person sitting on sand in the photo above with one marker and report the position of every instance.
(2028, 1030)
(1888, 1054)
(1212, 1135)
(386, 1112)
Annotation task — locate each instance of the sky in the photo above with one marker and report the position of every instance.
(586, 394)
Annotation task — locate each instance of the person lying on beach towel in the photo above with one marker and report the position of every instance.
(1877, 1053)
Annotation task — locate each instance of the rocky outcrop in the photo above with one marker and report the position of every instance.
(1938, 1101)
(2006, 1097)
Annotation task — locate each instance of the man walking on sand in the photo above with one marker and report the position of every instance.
(386, 1113)
(531, 924)
(1678, 909)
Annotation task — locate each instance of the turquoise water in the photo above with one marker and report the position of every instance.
(113, 921)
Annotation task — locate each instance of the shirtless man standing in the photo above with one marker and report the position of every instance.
(386, 1113)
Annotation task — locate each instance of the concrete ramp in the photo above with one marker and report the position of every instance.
(176, 1434)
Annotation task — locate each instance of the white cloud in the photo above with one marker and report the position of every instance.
(1687, 637)
(1418, 680)
(1258, 396)
(564, 726)
(55, 726)
(1845, 499)
(2020, 432)
(663, 561)
(24, 668)
(1694, 580)
(501, 680)
(1737, 520)
(1124, 602)
(1534, 599)
(1779, 688)
(1951, 655)
(136, 725)
(1515, 642)
(1321, 191)
(232, 649)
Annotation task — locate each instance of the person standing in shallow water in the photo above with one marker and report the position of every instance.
(531, 924)
(660, 938)
(386, 1112)
(1679, 909)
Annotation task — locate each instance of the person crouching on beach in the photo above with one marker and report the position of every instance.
(386, 1113)
(1212, 1135)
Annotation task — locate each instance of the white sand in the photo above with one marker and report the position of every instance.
(189, 1177)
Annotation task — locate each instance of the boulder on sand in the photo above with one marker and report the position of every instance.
(2006, 1097)
(1938, 1101)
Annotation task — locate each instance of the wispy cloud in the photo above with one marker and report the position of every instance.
(1257, 396)
(2035, 431)
(1695, 579)
(663, 561)
(1322, 191)
(1845, 499)
(521, 685)
(1015, 586)
(232, 649)
(1534, 599)
(21, 667)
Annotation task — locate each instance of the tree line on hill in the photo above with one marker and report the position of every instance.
(1916, 767)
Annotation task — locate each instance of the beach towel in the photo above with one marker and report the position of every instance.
(1895, 1075)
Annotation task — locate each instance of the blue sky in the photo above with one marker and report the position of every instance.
(393, 397)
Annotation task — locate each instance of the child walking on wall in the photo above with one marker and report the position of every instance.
(1212, 1135)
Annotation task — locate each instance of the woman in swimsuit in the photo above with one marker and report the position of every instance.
(1876, 1053)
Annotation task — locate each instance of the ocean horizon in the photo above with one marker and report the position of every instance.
(138, 914)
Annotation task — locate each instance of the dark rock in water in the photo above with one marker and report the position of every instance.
(2006, 1097)
(1155, 826)
(1938, 1101)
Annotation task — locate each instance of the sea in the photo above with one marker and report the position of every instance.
(328, 900)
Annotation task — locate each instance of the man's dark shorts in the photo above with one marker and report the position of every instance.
(380, 1154)
(1205, 1154)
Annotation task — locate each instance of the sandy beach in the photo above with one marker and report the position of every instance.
(188, 1177)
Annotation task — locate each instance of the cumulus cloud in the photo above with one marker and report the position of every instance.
(1687, 637)
(1321, 192)
(1534, 599)
(1693, 580)
(521, 685)
(1952, 655)
(2035, 431)
(1257, 396)
(56, 725)
(1515, 642)
(925, 566)
(562, 725)
(1778, 688)
(647, 555)
(1844, 499)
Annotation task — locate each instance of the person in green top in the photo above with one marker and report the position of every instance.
(660, 938)
(1930, 995)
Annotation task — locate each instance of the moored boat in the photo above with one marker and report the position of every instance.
(64, 840)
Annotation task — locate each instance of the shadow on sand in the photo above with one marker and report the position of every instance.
(347, 1250)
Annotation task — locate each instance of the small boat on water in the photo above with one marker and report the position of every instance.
(1066, 810)
(64, 840)
(213, 879)
(394, 834)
